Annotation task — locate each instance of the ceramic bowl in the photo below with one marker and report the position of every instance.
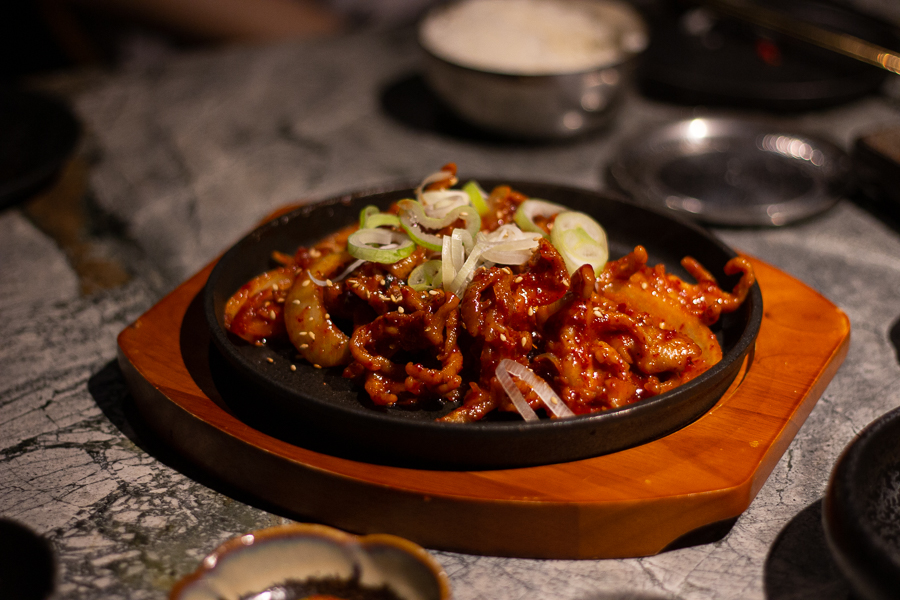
(861, 509)
(273, 563)
(536, 104)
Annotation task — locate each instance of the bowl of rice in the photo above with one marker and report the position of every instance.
(539, 69)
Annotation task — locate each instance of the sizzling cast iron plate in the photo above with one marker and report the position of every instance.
(733, 172)
(338, 408)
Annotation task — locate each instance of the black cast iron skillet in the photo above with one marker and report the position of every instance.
(342, 411)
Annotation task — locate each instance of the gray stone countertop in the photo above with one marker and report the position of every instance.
(182, 158)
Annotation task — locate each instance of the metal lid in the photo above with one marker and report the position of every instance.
(735, 172)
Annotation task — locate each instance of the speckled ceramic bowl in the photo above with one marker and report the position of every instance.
(861, 510)
(302, 560)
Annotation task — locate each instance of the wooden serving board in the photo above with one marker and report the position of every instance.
(632, 503)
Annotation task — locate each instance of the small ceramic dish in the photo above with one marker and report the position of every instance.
(861, 509)
(300, 561)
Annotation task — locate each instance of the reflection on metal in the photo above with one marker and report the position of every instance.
(697, 129)
(732, 172)
(792, 147)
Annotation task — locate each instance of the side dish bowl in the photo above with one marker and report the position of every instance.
(279, 561)
(861, 509)
(531, 100)
(320, 402)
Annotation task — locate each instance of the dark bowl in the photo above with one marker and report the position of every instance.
(861, 509)
(342, 411)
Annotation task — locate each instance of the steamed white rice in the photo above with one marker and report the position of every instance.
(532, 37)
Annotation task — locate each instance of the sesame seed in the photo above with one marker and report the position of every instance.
(304, 284)
(270, 359)
(530, 311)
(302, 333)
(433, 292)
(644, 286)
(272, 315)
(317, 366)
(554, 401)
(274, 287)
(312, 336)
(327, 316)
(524, 342)
(329, 283)
(293, 367)
(279, 300)
(296, 302)
(400, 309)
(519, 279)
(304, 346)
(503, 337)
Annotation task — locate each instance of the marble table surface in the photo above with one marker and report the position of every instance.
(180, 158)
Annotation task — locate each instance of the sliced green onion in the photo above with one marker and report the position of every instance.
(477, 197)
(422, 238)
(379, 245)
(370, 217)
(580, 240)
(413, 219)
(532, 208)
(426, 276)
(365, 213)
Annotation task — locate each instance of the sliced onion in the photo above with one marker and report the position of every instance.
(435, 177)
(541, 388)
(379, 245)
(580, 240)
(477, 197)
(316, 280)
(352, 267)
(462, 243)
(448, 266)
(414, 212)
(516, 252)
(426, 276)
(532, 208)
(518, 400)
(466, 272)
(438, 203)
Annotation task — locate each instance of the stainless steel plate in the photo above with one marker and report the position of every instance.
(734, 172)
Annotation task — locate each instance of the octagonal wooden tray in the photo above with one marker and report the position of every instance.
(631, 503)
